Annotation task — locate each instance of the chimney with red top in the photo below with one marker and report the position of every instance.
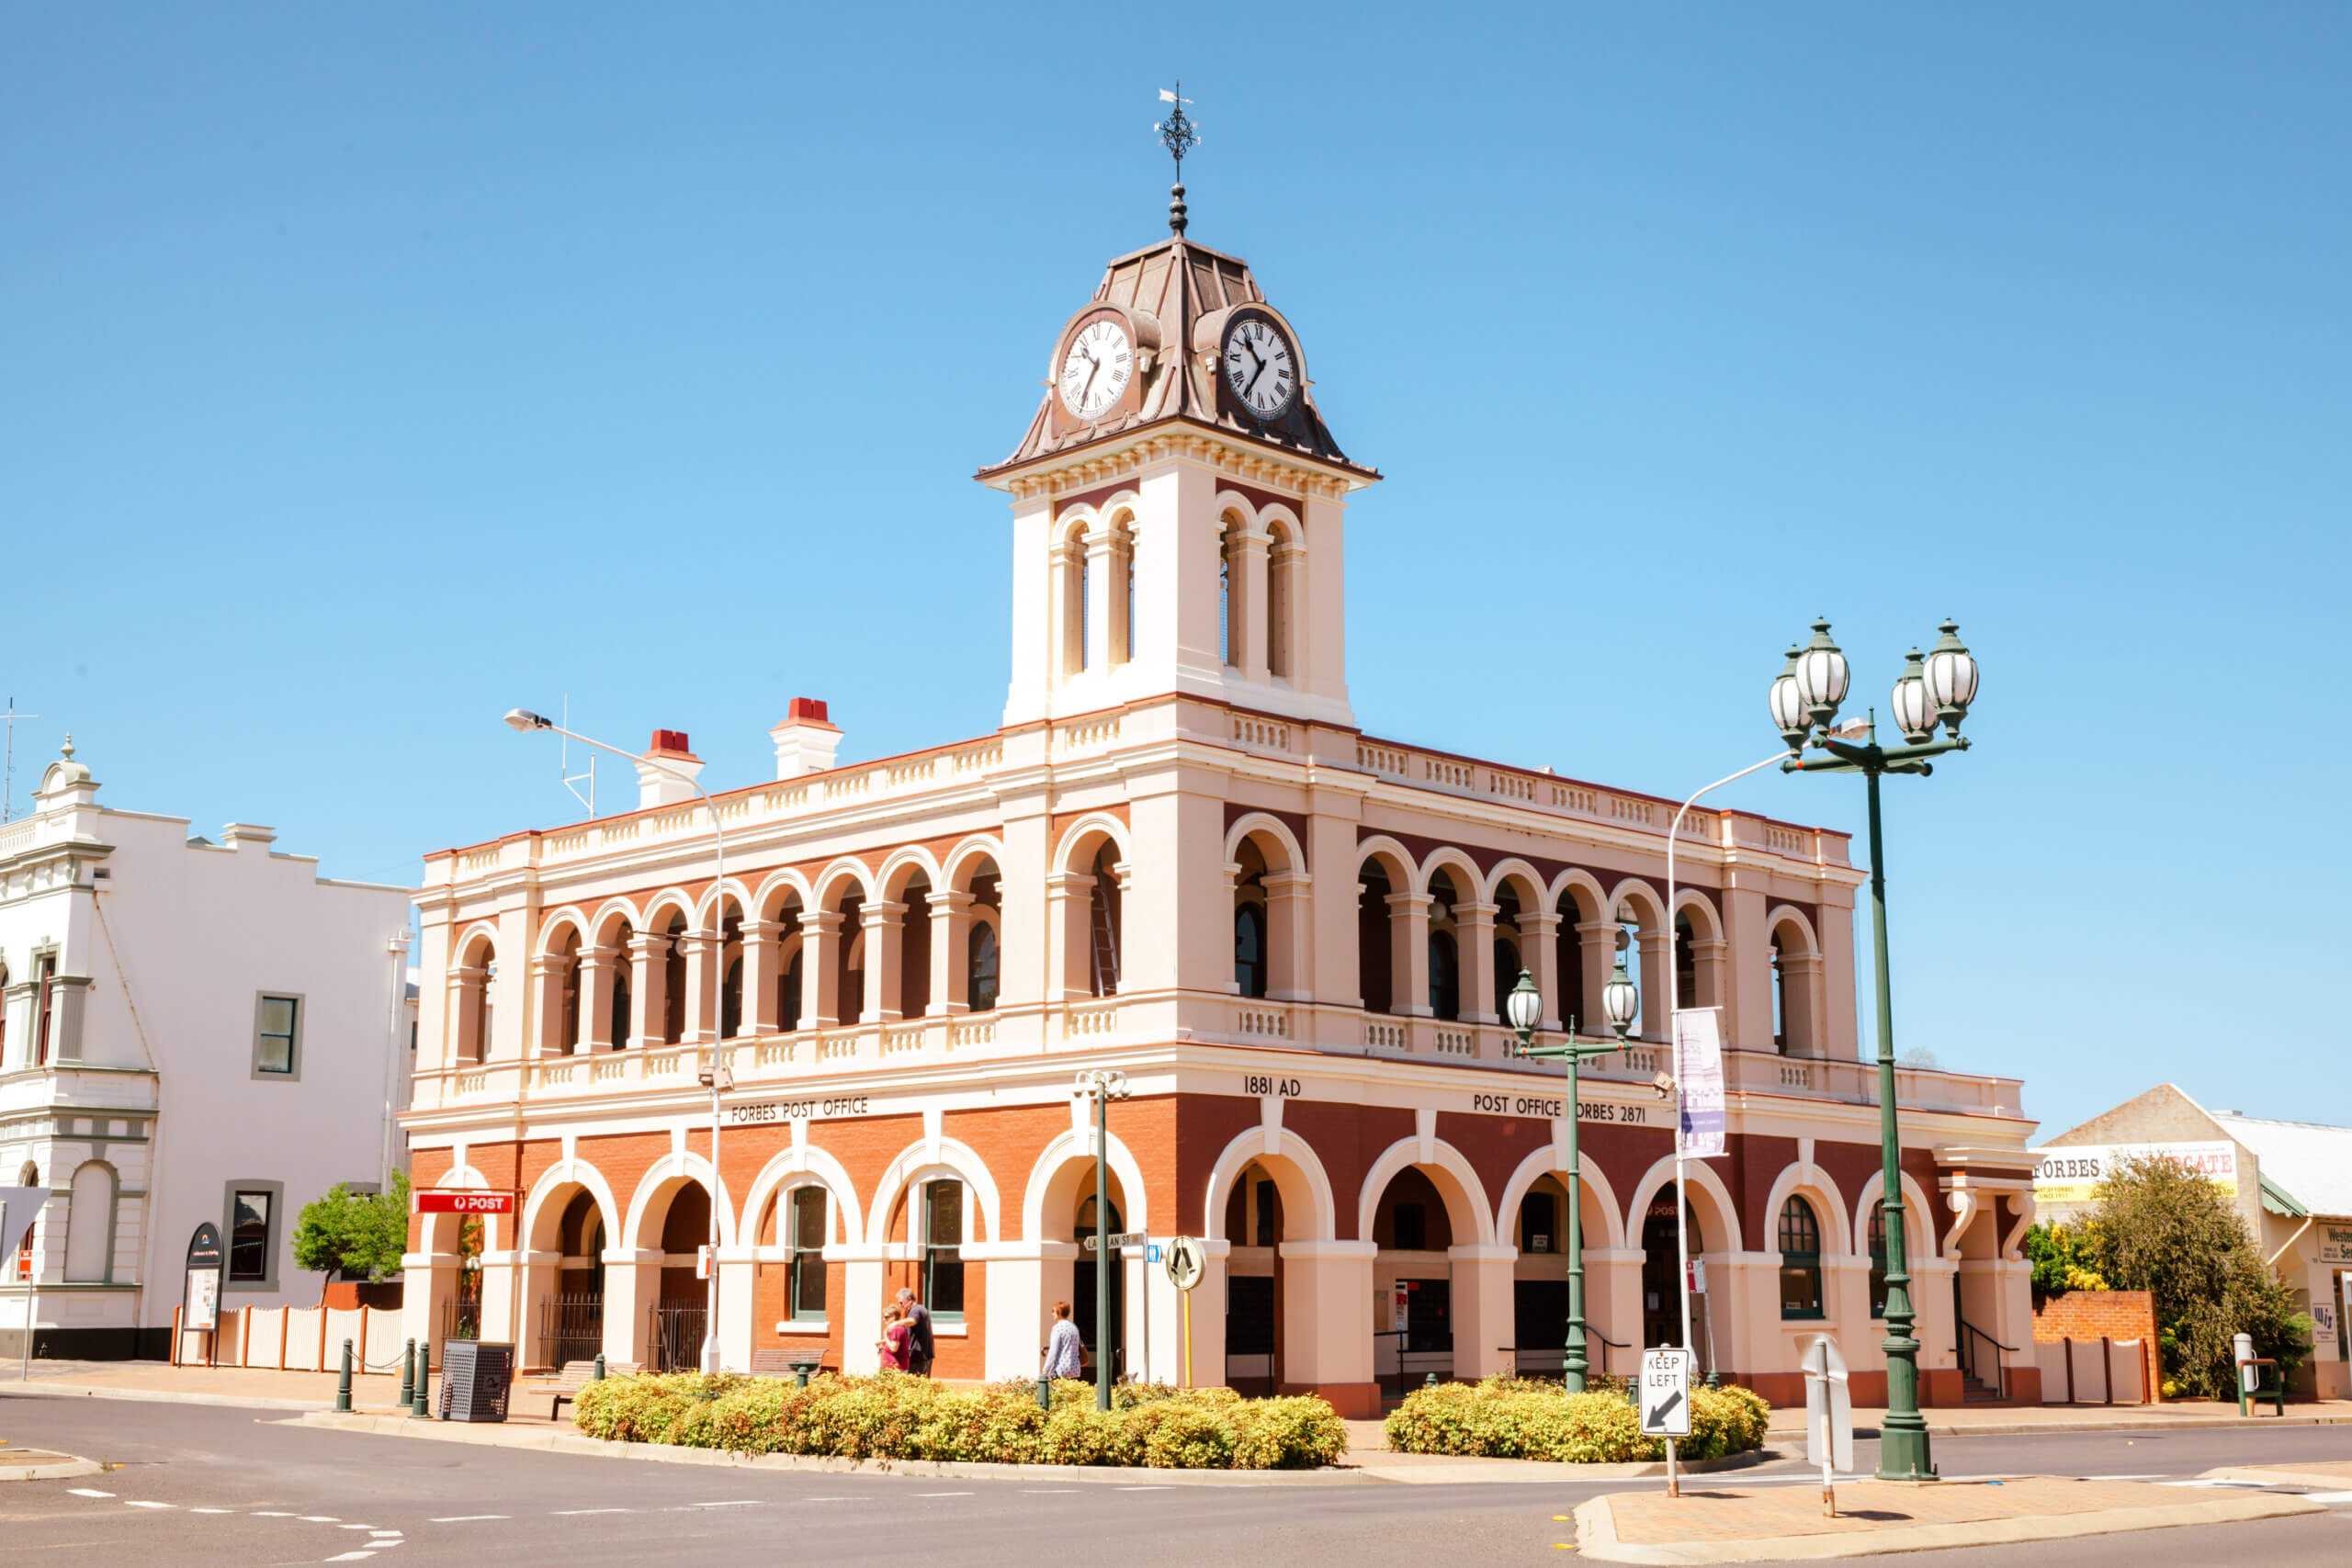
(662, 787)
(806, 742)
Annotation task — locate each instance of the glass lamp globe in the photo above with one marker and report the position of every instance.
(1822, 675)
(1950, 676)
(1913, 712)
(1788, 705)
(1620, 1001)
(1524, 1007)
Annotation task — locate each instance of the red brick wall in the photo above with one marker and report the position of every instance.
(2113, 1314)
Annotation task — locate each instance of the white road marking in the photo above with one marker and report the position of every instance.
(736, 1503)
(86, 1492)
(561, 1512)
(271, 1514)
(393, 1534)
(1147, 1489)
(468, 1518)
(316, 1519)
(212, 1510)
(351, 1557)
(2252, 1485)
(135, 1503)
(2329, 1496)
(1046, 1491)
(2157, 1475)
(370, 1529)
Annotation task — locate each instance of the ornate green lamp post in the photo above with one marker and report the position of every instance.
(1524, 1008)
(1935, 688)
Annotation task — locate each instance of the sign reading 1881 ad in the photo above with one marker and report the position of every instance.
(201, 1293)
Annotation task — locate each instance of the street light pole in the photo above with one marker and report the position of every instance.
(720, 1077)
(1936, 688)
(1524, 1008)
(1103, 1087)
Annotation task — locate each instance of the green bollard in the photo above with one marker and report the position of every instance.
(600, 1366)
(1044, 1392)
(343, 1383)
(420, 1409)
(408, 1374)
(1428, 1380)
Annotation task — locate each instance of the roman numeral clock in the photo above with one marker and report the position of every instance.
(1258, 365)
(1101, 365)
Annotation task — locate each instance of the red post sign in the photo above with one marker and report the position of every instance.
(432, 1201)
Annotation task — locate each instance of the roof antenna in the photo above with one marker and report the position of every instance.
(572, 781)
(9, 780)
(1179, 136)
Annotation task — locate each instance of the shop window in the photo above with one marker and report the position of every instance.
(942, 1250)
(1800, 1261)
(1539, 1228)
(249, 1235)
(808, 1229)
(1249, 949)
(1411, 1228)
(982, 950)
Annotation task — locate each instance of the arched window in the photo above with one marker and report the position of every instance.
(787, 1009)
(730, 1000)
(1445, 976)
(1127, 574)
(1105, 925)
(1686, 964)
(89, 1224)
(568, 1020)
(1800, 1261)
(1779, 998)
(1569, 949)
(1224, 595)
(942, 1249)
(1878, 1258)
(624, 1017)
(1249, 949)
(1086, 608)
(809, 1226)
(1506, 971)
(673, 983)
(1372, 952)
(981, 954)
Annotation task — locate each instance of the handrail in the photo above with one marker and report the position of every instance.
(1988, 1338)
(1962, 1351)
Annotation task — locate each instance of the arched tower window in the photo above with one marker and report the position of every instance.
(1800, 1261)
(1249, 949)
(1225, 649)
(1686, 964)
(982, 984)
(1779, 998)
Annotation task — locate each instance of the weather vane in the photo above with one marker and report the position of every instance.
(1179, 135)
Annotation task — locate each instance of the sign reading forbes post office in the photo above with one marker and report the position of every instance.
(200, 1293)
(2073, 1175)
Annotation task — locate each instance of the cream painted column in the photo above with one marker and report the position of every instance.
(632, 1283)
(501, 1296)
(1597, 949)
(1483, 1308)
(1804, 1018)
(1069, 899)
(738, 1320)
(1613, 1304)
(883, 947)
(1837, 1022)
(1288, 638)
(598, 970)
(951, 938)
(535, 1276)
(1025, 952)
(1657, 984)
(547, 974)
(1097, 566)
(1473, 938)
(430, 1279)
(649, 987)
(1068, 628)
(1180, 925)
(1709, 977)
(1539, 953)
(1324, 597)
(820, 971)
(1291, 933)
(699, 1024)
(762, 947)
(864, 1269)
(1337, 971)
(1747, 1009)
(1208, 1320)
(465, 986)
(1408, 952)
(1245, 611)
(1019, 1297)
(1327, 1322)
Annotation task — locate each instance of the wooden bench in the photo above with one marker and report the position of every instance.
(787, 1363)
(574, 1374)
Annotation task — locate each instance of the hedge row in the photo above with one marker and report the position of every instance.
(1510, 1419)
(893, 1415)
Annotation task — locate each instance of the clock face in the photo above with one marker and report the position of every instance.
(1097, 369)
(1259, 367)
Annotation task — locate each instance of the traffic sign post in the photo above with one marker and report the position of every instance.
(1187, 1261)
(19, 1206)
(1664, 1405)
(1829, 1417)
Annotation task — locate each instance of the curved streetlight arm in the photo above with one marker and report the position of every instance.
(1673, 1002)
(720, 1079)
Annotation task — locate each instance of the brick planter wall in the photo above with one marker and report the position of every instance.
(2089, 1315)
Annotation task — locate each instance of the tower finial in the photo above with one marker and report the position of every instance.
(1179, 135)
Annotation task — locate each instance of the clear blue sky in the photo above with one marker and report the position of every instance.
(372, 370)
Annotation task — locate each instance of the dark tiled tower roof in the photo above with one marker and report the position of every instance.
(1178, 283)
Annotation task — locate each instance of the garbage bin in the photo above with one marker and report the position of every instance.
(475, 1378)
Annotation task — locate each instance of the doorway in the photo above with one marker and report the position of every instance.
(1082, 1296)
(1661, 1291)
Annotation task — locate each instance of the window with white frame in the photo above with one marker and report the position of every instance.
(809, 1231)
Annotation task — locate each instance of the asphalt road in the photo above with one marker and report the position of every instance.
(208, 1484)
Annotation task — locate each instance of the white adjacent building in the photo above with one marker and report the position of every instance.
(189, 1032)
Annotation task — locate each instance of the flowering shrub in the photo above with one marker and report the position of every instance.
(1506, 1418)
(893, 1415)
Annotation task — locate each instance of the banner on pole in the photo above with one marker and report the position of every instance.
(1698, 1069)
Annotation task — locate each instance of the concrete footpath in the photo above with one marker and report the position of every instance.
(1779, 1524)
(2000, 1421)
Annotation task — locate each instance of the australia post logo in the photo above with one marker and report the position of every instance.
(2073, 1175)
(430, 1201)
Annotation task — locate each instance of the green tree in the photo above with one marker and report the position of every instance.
(358, 1233)
(2163, 1229)
(2064, 1257)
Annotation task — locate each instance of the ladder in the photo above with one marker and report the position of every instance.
(1106, 947)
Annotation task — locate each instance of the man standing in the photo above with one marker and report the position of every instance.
(1065, 1352)
(920, 1346)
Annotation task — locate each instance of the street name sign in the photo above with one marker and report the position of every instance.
(1187, 1260)
(1664, 1390)
(1122, 1239)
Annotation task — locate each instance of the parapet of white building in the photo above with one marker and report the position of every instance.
(189, 1030)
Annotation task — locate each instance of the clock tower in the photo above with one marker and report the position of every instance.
(1179, 504)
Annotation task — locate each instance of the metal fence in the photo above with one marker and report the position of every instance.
(676, 1339)
(571, 1328)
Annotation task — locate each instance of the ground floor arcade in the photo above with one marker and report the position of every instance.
(1367, 1222)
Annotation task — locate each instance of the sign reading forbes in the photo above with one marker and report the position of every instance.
(1555, 1107)
(2073, 1175)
